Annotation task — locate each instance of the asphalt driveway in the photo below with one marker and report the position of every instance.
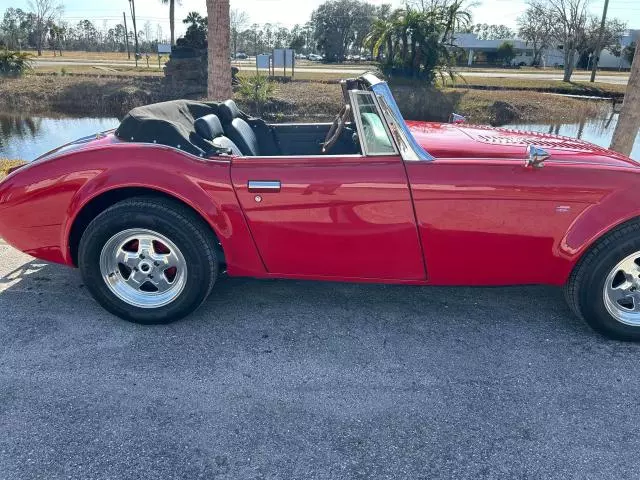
(293, 380)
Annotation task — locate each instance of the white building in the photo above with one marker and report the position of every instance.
(476, 49)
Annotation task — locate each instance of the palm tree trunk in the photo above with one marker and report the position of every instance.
(172, 20)
(629, 120)
(405, 47)
(219, 77)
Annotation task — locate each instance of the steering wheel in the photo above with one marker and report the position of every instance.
(336, 129)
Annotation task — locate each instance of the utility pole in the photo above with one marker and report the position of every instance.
(126, 35)
(132, 4)
(596, 54)
(629, 119)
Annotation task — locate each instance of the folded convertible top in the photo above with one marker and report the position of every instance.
(168, 123)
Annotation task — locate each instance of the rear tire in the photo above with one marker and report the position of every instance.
(148, 260)
(604, 288)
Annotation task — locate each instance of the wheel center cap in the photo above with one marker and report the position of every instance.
(144, 267)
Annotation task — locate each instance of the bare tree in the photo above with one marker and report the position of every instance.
(219, 78)
(239, 21)
(45, 12)
(629, 120)
(570, 18)
(536, 28)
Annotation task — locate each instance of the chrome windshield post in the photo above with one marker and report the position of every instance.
(409, 148)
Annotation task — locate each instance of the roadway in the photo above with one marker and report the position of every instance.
(355, 70)
(308, 380)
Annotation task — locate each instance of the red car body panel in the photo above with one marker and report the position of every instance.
(530, 225)
(473, 216)
(333, 217)
(39, 203)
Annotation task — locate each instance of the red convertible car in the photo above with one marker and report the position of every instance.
(154, 211)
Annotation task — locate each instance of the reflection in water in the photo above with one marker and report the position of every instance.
(594, 130)
(21, 127)
(26, 138)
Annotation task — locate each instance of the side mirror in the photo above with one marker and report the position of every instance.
(535, 157)
(457, 119)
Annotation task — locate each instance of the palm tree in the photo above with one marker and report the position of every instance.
(629, 121)
(384, 34)
(380, 37)
(219, 78)
(172, 19)
(457, 16)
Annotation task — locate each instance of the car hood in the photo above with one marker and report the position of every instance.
(443, 140)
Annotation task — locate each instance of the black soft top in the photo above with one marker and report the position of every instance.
(168, 123)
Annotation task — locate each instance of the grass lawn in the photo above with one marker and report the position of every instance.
(577, 88)
(6, 164)
(539, 71)
(78, 55)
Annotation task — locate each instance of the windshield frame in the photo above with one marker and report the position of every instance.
(410, 149)
(355, 106)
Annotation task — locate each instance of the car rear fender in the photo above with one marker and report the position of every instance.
(204, 186)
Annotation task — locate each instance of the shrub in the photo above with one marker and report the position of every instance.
(506, 52)
(256, 90)
(14, 64)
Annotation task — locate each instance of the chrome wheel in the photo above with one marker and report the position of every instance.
(622, 291)
(143, 268)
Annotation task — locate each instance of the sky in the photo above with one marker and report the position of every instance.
(290, 12)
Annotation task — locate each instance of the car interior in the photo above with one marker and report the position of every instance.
(212, 129)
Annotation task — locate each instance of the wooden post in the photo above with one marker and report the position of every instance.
(596, 54)
(126, 35)
(629, 119)
(135, 29)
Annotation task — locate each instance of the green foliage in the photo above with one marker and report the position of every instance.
(340, 25)
(196, 34)
(14, 64)
(257, 90)
(506, 52)
(417, 43)
(491, 32)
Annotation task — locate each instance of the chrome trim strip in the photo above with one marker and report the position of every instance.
(410, 149)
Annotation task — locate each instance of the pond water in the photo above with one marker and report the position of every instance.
(598, 131)
(28, 137)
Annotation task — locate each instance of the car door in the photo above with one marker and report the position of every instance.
(495, 222)
(346, 216)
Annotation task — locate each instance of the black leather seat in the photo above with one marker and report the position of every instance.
(238, 130)
(210, 128)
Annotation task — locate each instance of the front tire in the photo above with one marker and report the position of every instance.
(148, 260)
(604, 288)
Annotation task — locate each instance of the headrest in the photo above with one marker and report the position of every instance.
(228, 111)
(208, 127)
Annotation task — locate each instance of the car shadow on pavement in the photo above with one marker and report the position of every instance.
(533, 311)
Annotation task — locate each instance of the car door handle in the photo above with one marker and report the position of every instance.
(264, 186)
